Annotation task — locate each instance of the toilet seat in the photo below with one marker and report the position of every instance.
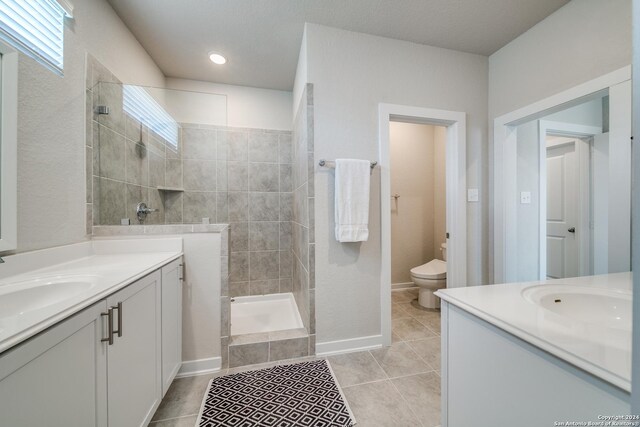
(433, 270)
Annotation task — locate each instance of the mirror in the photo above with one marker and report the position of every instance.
(573, 192)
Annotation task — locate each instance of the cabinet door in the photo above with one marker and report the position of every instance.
(58, 378)
(134, 357)
(171, 322)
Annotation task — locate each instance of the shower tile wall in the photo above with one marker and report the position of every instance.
(125, 160)
(229, 175)
(259, 186)
(303, 224)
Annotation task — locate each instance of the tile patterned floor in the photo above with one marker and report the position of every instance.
(396, 386)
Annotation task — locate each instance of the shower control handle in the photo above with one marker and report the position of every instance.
(142, 210)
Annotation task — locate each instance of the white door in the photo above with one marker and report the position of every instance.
(563, 196)
(134, 370)
(58, 378)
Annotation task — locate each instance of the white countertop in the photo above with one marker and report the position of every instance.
(108, 265)
(602, 351)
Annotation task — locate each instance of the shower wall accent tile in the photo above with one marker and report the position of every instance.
(286, 183)
(201, 144)
(238, 206)
(136, 164)
(239, 289)
(264, 265)
(286, 285)
(110, 201)
(173, 207)
(239, 236)
(222, 208)
(109, 154)
(236, 143)
(285, 236)
(238, 176)
(264, 236)
(263, 147)
(264, 177)
(239, 267)
(285, 148)
(199, 175)
(264, 206)
(265, 287)
(173, 173)
(198, 205)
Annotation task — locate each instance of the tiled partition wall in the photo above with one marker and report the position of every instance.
(229, 175)
(303, 223)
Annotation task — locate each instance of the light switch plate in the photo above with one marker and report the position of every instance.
(525, 197)
(472, 195)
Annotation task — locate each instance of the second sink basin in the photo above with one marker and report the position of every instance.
(608, 308)
(28, 296)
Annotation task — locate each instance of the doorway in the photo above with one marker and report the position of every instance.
(456, 215)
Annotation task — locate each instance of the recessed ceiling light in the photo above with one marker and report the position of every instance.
(216, 58)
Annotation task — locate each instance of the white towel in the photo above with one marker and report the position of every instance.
(352, 200)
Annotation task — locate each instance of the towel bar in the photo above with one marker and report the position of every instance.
(332, 164)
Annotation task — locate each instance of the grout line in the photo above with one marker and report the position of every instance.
(407, 402)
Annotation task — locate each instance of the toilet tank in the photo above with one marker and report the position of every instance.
(443, 249)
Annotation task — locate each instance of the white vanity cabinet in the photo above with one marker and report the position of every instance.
(106, 366)
(492, 378)
(58, 378)
(134, 358)
(171, 322)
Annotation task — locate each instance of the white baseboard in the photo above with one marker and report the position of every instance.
(402, 285)
(347, 346)
(191, 368)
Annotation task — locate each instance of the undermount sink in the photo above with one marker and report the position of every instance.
(28, 296)
(608, 308)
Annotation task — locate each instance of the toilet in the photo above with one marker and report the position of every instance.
(429, 278)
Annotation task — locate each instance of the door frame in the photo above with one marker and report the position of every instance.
(570, 130)
(617, 83)
(456, 182)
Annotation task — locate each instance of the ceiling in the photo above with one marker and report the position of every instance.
(261, 38)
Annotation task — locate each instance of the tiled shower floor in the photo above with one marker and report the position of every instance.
(396, 386)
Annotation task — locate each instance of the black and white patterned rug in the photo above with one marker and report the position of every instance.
(302, 394)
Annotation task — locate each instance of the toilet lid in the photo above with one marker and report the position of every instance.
(434, 269)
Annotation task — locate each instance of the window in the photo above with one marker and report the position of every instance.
(142, 107)
(35, 27)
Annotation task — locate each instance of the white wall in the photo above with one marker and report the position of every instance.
(528, 179)
(352, 73)
(440, 196)
(581, 41)
(51, 134)
(413, 215)
(247, 107)
(411, 157)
